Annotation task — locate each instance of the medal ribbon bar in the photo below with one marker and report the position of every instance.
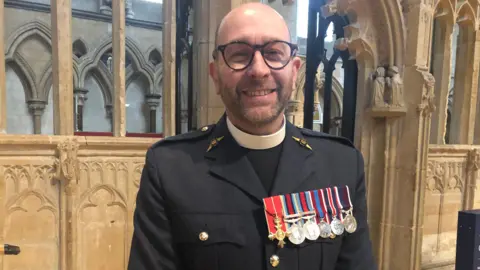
(339, 203)
(324, 205)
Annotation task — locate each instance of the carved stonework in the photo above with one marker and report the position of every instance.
(474, 160)
(67, 164)
(427, 105)
(387, 94)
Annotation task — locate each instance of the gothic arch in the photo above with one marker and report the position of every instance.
(100, 75)
(25, 73)
(445, 11)
(466, 15)
(139, 63)
(37, 28)
(79, 48)
(46, 81)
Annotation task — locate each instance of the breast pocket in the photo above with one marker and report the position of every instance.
(207, 241)
(318, 254)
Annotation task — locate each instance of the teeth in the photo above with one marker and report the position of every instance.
(258, 93)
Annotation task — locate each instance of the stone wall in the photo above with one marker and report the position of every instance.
(69, 199)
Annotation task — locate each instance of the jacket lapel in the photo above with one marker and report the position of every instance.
(229, 162)
(294, 166)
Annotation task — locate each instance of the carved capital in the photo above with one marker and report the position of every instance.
(67, 164)
(153, 100)
(36, 106)
(81, 94)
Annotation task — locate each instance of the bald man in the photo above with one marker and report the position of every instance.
(252, 191)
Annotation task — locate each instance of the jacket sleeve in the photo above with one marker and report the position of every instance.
(356, 252)
(152, 246)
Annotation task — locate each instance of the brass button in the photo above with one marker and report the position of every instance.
(204, 128)
(274, 260)
(203, 236)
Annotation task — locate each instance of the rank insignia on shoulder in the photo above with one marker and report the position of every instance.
(302, 142)
(308, 215)
(214, 143)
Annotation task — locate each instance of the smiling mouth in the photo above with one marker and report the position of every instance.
(259, 93)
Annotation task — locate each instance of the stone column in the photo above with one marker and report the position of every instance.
(3, 86)
(169, 48)
(37, 107)
(80, 98)
(208, 14)
(62, 67)
(153, 101)
(398, 150)
(118, 24)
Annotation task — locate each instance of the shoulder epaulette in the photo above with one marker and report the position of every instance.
(192, 135)
(312, 133)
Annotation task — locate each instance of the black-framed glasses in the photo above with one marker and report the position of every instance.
(238, 55)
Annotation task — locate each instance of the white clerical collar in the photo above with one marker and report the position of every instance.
(257, 142)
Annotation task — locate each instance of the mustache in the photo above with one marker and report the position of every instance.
(258, 86)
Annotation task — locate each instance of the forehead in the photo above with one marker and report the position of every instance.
(254, 29)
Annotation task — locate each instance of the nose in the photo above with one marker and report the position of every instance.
(258, 68)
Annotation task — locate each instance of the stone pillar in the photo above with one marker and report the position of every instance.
(118, 33)
(80, 98)
(208, 14)
(62, 67)
(153, 101)
(169, 48)
(37, 107)
(398, 148)
(3, 86)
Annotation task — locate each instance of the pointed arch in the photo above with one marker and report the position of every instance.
(25, 73)
(79, 48)
(100, 75)
(445, 11)
(35, 28)
(466, 15)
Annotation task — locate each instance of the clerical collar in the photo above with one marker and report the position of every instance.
(257, 142)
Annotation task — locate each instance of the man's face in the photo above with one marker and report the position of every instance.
(257, 94)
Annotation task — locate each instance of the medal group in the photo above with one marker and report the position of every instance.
(325, 213)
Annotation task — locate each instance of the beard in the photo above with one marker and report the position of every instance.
(263, 114)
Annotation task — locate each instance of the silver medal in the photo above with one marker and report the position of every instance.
(350, 223)
(296, 235)
(325, 229)
(337, 226)
(311, 230)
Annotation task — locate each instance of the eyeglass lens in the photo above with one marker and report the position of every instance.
(239, 55)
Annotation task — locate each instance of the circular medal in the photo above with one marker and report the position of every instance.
(337, 227)
(350, 224)
(311, 230)
(325, 229)
(296, 235)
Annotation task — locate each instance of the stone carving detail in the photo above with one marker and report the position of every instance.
(106, 8)
(378, 97)
(67, 164)
(427, 105)
(474, 160)
(387, 93)
(442, 176)
(395, 86)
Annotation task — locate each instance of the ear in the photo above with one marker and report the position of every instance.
(296, 64)
(213, 71)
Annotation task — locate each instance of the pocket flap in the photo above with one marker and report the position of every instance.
(207, 229)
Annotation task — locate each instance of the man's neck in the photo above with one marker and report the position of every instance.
(258, 130)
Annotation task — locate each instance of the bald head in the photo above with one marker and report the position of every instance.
(252, 16)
